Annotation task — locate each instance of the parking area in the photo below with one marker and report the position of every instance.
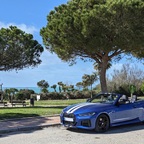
(130, 134)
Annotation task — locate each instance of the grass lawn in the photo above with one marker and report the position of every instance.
(58, 102)
(9, 113)
(41, 108)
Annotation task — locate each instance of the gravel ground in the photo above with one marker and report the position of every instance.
(131, 134)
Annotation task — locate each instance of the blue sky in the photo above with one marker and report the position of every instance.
(30, 16)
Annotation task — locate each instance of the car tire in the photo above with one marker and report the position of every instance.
(102, 123)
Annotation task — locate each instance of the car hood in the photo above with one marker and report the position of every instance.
(86, 107)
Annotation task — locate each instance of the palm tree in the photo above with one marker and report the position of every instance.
(13, 92)
(44, 90)
(43, 85)
(79, 85)
(54, 87)
(88, 80)
(8, 93)
(60, 86)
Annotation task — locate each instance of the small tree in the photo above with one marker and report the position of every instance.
(79, 85)
(88, 80)
(43, 85)
(10, 93)
(60, 86)
(44, 90)
(54, 87)
(13, 92)
(7, 94)
(132, 89)
(71, 88)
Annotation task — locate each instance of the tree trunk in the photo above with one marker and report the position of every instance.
(91, 91)
(1, 96)
(102, 73)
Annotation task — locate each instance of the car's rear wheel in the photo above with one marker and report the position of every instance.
(102, 123)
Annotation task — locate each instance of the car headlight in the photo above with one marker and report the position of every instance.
(87, 114)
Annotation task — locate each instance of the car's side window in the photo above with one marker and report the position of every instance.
(103, 98)
(123, 100)
(133, 99)
(100, 98)
(96, 100)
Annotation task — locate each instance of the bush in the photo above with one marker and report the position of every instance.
(24, 94)
(79, 95)
(66, 95)
(125, 90)
(51, 96)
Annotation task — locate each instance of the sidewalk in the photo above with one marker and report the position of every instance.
(32, 123)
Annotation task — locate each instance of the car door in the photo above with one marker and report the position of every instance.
(125, 112)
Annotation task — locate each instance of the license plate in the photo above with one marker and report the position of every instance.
(68, 119)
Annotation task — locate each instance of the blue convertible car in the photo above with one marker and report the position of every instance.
(103, 111)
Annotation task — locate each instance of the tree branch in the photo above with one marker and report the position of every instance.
(115, 53)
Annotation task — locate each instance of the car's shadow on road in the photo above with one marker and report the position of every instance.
(113, 130)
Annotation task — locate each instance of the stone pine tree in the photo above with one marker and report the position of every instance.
(18, 49)
(96, 30)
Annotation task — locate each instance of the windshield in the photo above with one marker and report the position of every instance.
(104, 98)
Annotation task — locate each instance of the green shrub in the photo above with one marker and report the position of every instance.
(66, 95)
(51, 96)
(23, 94)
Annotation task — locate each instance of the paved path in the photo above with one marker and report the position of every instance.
(130, 134)
(28, 123)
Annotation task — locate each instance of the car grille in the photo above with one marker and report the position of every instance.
(68, 115)
(69, 123)
(86, 123)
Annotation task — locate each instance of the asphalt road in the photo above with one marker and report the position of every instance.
(131, 134)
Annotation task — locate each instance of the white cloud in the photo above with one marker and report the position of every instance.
(50, 59)
(24, 27)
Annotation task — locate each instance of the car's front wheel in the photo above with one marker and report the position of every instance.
(102, 123)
